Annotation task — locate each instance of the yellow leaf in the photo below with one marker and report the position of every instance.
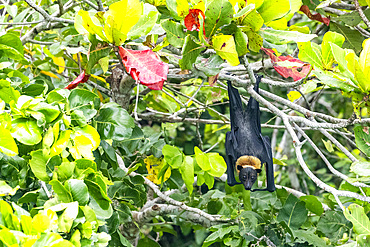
(120, 18)
(365, 58)
(60, 62)
(154, 166)
(293, 95)
(98, 78)
(224, 46)
(201, 5)
(280, 24)
(49, 74)
(182, 8)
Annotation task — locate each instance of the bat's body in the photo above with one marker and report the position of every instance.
(246, 148)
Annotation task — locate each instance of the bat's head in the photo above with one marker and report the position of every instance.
(248, 168)
(247, 176)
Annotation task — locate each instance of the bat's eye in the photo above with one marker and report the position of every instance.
(253, 177)
(244, 177)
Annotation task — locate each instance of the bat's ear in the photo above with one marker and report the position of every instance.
(258, 170)
(239, 167)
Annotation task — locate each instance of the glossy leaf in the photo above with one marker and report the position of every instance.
(7, 92)
(190, 52)
(120, 18)
(365, 58)
(38, 165)
(145, 67)
(7, 143)
(294, 212)
(173, 156)
(272, 10)
(218, 13)
(356, 214)
(26, 131)
(175, 33)
(145, 23)
(113, 122)
(187, 173)
(224, 46)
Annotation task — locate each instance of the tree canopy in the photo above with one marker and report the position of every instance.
(113, 116)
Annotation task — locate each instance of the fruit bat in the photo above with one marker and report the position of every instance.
(246, 149)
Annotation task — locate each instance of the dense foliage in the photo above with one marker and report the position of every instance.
(113, 117)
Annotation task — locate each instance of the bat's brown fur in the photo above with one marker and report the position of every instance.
(248, 161)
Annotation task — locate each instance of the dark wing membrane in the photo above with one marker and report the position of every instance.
(230, 158)
(236, 107)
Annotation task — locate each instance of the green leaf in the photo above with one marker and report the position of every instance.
(202, 159)
(224, 46)
(61, 144)
(210, 66)
(311, 53)
(175, 33)
(145, 23)
(98, 193)
(251, 21)
(353, 38)
(280, 37)
(50, 112)
(332, 80)
(38, 165)
(63, 194)
(361, 168)
(333, 224)
(7, 92)
(7, 238)
(120, 18)
(362, 138)
(328, 145)
(313, 204)
(327, 55)
(255, 41)
(113, 122)
(6, 190)
(294, 212)
(10, 52)
(356, 214)
(7, 143)
(48, 239)
(218, 13)
(78, 190)
(310, 237)
(274, 9)
(80, 97)
(97, 52)
(241, 42)
(65, 169)
(187, 173)
(218, 164)
(173, 156)
(190, 52)
(13, 41)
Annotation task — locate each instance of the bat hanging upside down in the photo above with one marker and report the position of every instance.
(246, 149)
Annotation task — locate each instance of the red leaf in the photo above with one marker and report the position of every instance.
(316, 17)
(82, 78)
(145, 67)
(294, 71)
(192, 20)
